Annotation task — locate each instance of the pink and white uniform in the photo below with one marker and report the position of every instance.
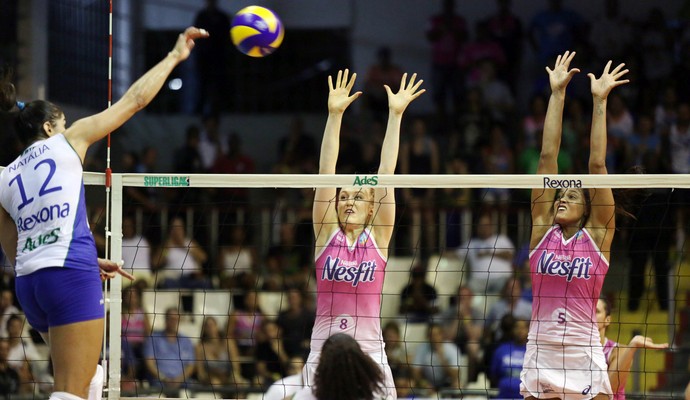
(567, 276)
(609, 345)
(564, 354)
(349, 282)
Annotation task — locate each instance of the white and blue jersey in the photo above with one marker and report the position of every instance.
(43, 191)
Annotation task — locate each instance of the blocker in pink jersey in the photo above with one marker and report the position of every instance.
(353, 227)
(572, 231)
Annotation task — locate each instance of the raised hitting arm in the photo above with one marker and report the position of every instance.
(88, 130)
(542, 199)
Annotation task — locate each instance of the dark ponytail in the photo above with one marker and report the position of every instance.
(29, 124)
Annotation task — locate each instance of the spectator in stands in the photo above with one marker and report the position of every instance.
(271, 357)
(243, 327)
(447, 34)
(291, 384)
(135, 197)
(483, 48)
(238, 261)
(136, 252)
(650, 238)
(23, 356)
(619, 119)
(136, 327)
(420, 155)
(187, 160)
(10, 382)
(212, 58)
(497, 158)
(654, 44)
(555, 30)
(644, 144)
(507, 359)
(181, 259)
(404, 384)
(395, 348)
(611, 34)
(418, 298)
(7, 309)
(679, 149)
(298, 147)
(233, 161)
(436, 363)
(506, 27)
(296, 323)
(463, 325)
(213, 358)
(169, 355)
(383, 72)
(489, 255)
(211, 145)
(288, 262)
(512, 303)
(533, 123)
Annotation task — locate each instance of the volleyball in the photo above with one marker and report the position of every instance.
(256, 31)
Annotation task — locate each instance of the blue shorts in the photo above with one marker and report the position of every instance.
(60, 296)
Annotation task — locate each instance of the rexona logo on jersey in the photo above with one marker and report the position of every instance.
(342, 271)
(550, 183)
(365, 180)
(166, 181)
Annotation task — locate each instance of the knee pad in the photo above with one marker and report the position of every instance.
(96, 385)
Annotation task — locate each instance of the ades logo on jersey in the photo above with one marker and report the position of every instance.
(338, 271)
(562, 265)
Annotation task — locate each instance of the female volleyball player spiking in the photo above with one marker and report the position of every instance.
(572, 231)
(44, 230)
(353, 227)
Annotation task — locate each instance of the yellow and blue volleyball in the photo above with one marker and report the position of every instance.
(256, 31)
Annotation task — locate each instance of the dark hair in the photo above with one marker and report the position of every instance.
(607, 305)
(13, 317)
(624, 199)
(29, 124)
(345, 372)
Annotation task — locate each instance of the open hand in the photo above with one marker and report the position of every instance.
(110, 268)
(397, 102)
(609, 79)
(641, 342)
(339, 95)
(185, 42)
(560, 75)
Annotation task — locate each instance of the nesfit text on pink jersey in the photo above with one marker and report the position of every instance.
(567, 276)
(349, 282)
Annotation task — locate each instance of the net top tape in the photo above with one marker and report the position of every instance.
(681, 181)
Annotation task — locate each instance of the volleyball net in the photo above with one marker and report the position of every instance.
(210, 247)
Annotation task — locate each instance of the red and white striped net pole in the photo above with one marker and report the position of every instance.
(108, 181)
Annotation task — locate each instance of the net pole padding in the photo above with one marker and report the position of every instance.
(114, 302)
(517, 181)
